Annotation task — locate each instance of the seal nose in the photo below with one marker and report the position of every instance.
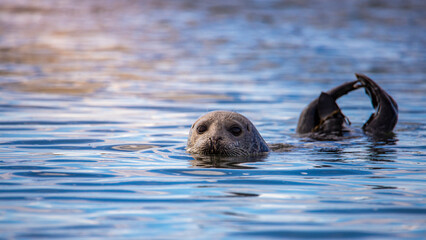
(215, 145)
(216, 138)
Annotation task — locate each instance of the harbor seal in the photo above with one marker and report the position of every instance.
(227, 134)
(230, 134)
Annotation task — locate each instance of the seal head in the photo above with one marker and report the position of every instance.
(227, 134)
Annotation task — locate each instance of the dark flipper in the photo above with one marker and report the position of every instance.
(323, 115)
(385, 117)
(331, 117)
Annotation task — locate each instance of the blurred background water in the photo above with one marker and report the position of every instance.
(97, 98)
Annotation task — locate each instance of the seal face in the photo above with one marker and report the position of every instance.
(225, 133)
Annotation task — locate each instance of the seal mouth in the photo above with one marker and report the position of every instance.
(218, 148)
(211, 148)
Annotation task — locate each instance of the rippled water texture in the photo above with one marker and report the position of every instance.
(97, 98)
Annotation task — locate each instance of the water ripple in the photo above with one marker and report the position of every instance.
(335, 234)
(129, 200)
(231, 173)
(421, 211)
(171, 183)
(25, 167)
(45, 174)
(52, 190)
(57, 122)
(51, 141)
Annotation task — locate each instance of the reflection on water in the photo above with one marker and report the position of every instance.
(225, 162)
(97, 99)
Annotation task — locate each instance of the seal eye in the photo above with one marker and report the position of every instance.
(201, 129)
(236, 131)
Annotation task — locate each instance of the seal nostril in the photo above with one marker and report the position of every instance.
(215, 144)
(216, 139)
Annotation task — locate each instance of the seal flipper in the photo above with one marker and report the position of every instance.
(326, 106)
(310, 119)
(343, 89)
(331, 117)
(385, 117)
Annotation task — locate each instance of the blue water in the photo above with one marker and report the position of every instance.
(97, 99)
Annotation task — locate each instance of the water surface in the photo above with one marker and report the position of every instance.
(97, 99)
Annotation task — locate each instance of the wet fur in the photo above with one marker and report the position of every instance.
(218, 141)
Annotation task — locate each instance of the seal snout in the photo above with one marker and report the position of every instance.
(215, 144)
(216, 138)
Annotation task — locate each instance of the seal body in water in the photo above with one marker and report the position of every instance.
(231, 134)
(227, 134)
(323, 118)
